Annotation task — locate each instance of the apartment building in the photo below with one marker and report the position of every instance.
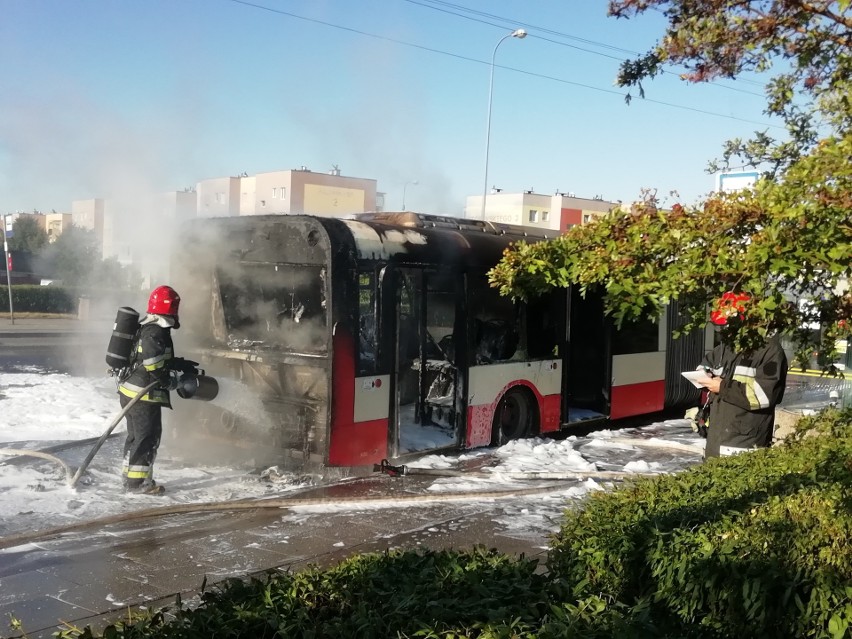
(55, 224)
(285, 192)
(305, 191)
(89, 214)
(218, 197)
(558, 212)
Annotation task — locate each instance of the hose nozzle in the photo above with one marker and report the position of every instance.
(203, 387)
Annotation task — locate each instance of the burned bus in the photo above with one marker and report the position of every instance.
(379, 337)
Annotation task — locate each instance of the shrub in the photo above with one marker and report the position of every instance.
(755, 545)
(65, 299)
(39, 299)
(399, 593)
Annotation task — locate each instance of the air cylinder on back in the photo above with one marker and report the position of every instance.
(124, 330)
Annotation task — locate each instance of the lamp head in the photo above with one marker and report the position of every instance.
(519, 33)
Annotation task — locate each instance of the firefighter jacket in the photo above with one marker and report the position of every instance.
(742, 414)
(154, 352)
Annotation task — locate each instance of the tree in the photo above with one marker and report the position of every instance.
(28, 235)
(809, 40)
(787, 242)
(110, 274)
(73, 256)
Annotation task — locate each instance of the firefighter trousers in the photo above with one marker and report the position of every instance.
(144, 429)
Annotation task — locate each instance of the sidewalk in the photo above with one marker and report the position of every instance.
(45, 327)
(23, 324)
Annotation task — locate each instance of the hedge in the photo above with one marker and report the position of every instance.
(756, 545)
(39, 299)
(65, 299)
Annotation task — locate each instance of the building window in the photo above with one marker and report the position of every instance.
(545, 215)
(587, 217)
(220, 198)
(533, 215)
(283, 192)
(274, 193)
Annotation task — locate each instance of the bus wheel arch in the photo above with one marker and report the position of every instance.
(516, 416)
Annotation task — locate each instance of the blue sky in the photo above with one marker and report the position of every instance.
(101, 98)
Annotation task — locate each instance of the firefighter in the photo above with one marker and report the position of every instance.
(153, 361)
(745, 388)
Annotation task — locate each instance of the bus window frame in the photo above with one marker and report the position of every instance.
(364, 367)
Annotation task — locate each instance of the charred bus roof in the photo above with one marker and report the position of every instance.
(407, 238)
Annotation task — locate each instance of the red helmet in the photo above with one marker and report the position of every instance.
(164, 300)
(729, 306)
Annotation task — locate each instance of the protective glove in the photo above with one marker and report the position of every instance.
(183, 365)
(173, 382)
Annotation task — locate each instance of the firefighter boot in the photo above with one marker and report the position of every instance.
(147, 487)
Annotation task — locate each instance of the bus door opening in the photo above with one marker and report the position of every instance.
(426, 374)
(587, 371)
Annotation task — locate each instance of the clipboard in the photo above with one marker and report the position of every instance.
(694, 376)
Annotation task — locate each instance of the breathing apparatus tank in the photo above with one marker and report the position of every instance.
(120, 348)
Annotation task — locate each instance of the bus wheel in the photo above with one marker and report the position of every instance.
(514, 417)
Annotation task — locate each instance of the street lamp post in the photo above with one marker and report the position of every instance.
(520, 34)
(405, 186)
(8, 269)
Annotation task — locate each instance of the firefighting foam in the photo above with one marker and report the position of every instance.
(234, 427)
(243, 402)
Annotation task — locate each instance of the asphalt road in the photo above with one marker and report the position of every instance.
(62, 345)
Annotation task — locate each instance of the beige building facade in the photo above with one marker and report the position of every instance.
(290, 191)
(305, 191)
(218, 197)
(89, 214)
(558, 212)
(55, 224)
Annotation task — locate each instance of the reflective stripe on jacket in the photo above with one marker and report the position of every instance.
(153, 354)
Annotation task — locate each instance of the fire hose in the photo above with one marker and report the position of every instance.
(559, 483)
(375, 500)
(71, 477)
(37, 453)
(560, 475)
(115, 422)
(274, 502)
(189, 386)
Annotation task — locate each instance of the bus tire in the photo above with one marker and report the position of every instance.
(516, 417)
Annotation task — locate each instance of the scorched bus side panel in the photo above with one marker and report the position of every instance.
(352, 341)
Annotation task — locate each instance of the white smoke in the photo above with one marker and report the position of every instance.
(243, 402)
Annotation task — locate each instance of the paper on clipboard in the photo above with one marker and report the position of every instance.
(694, 376)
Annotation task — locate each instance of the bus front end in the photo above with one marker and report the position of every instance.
(255, 314)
